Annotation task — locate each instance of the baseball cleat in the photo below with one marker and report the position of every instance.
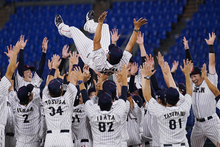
(90, 15)
(58, 20)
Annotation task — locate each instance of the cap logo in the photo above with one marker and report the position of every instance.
(193, 69)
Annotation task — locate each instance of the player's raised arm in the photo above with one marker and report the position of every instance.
(65, 54)
(21, 56)
(114, 36)
(212, 87)
(97, 37)
(133, 38)
(186, 71)
(124, 73)
(43, 57)
(55, 63)
(187, 51)
(210, 43)
(146, 73)
(140, 42)
(12, 65)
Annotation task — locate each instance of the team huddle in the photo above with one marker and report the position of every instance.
(83, 108)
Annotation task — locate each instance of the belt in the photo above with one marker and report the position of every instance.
(82, 140)
(61, 131)
(204, 119)
(182, 144)
(10, 134)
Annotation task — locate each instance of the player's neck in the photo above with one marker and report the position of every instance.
(168, 105)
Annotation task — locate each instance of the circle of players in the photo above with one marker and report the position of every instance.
(82, 108)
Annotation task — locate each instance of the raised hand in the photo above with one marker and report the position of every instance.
(102, 17)
(65, 52)
(22, 42)
(187, 67)
(150, 60)
(140, 38)
(175, 66)
(49, 63)
(17, 47)
(118, 77)
(74, 58)
(78, 73)
(185, 42)
(165, 68)
(211, 39)
(114, 35)
(44, 44)
(56, 61)
(134, 68)
(204, 71)
(160, 59)
(139, 23)
(10, 52)
(124, 71)
(146, 70)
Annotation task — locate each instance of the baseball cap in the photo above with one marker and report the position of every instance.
(110, 86)
(172, 96)
(182, 88)
(25, 92)
(195, 70)
(26, 67)
(115, 54)
(138, 100)
(160, 95)
(131, 60)
(55, 86)
(105, 101)
(91, 90)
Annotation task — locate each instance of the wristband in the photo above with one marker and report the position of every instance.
(147, 77)
(128, 93)
(136, 30)
(211, 49)
(80, 81)
(52, 72)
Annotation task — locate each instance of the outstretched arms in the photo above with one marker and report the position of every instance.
(114, 36)
(21, 56)
(187, 52)
(97, 37)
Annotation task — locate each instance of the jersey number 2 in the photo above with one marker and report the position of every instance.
(172, 123)
(102, 126)
(59, 110)
(26, 118)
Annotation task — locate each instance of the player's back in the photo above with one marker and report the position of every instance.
(27, 121)
(106, 125)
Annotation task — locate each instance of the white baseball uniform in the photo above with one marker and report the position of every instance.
(204, 107)
(171, 121)
(10, 140)
(27, 120)
(81, 127)
(135, 126)
(106, 126)
(97, 59)
(58, 114)
(4, 86)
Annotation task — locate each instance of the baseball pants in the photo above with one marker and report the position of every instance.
(83, 44)
(81, 143)
(2, 137)
(33, 144)
(10, 141)
(203, 130)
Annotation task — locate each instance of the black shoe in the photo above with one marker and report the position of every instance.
(58, 20)
(90, 15)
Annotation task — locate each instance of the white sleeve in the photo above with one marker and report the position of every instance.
(89, 108)
(13, 100)
(155, 108)
(99, 60)
(5, 84)
(95, 99)
(187, 103)
(213, 78)
(137, 112)
(36, 80)
(125, 58)
(71, 93)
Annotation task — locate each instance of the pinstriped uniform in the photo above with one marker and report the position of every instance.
(81, 127)
(27, 120)
(58, 115)
(204, 106)
(4, 86)
(135, 125)
(106, 126)
(97, 59)
(171, 120)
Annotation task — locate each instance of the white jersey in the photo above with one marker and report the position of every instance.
(80, 123)
(4, 86)
(171, 120)
(58, 111)
(135, 125)
(36, 82)
(27, 118)
(106, 125)
(203, 100)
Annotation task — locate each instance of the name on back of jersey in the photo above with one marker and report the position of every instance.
(175, 113)
(48, 102)
(24, 110)
(105, 117)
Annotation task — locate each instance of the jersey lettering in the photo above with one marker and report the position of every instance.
(76, 118)
(199, 89)
(102, 126)
(172, 124)
(26, 118)
(53, 111)
(109, 71)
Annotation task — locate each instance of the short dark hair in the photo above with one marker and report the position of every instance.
(57, 94)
